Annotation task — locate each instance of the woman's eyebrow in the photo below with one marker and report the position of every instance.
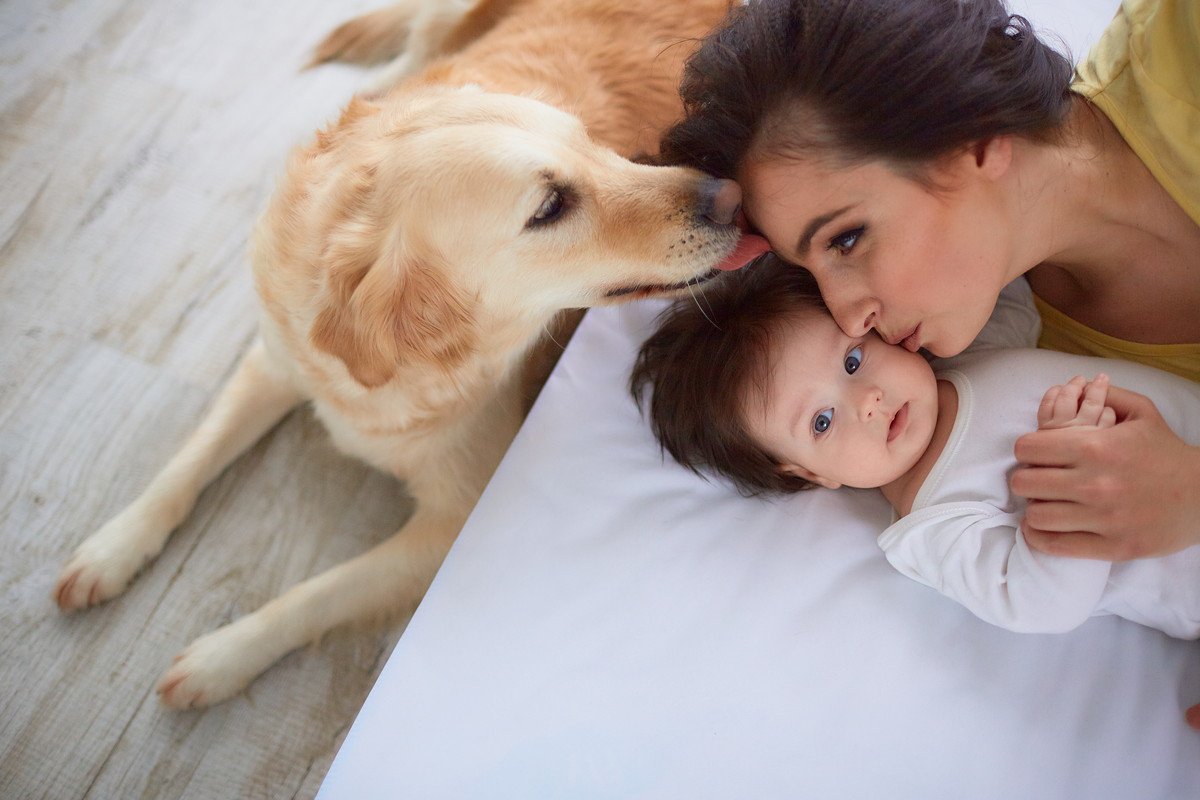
(811, 230)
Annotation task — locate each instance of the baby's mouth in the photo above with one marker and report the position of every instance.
(899, 422)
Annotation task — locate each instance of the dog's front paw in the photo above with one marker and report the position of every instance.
(102, 567)
(215, 667)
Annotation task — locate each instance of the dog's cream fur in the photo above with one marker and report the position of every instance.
(409, 266)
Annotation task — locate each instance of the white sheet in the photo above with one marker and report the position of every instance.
(609, 625)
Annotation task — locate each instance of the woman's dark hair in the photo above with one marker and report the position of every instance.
(705, 357)
(904, 81)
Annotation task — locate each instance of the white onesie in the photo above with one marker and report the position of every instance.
(962, 536)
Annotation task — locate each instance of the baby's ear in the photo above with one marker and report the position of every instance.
(800, 472)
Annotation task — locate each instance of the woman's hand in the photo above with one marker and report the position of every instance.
(1124, 492)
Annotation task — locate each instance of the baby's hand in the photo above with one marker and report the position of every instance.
(1077, 404)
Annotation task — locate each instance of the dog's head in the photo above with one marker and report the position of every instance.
(451, 209)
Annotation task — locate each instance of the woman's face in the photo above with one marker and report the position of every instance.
(923, 267)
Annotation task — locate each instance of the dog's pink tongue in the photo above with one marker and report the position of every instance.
(749, 247)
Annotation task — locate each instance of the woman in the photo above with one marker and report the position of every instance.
(917, 156)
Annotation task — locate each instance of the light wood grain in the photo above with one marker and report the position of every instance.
(138, 142)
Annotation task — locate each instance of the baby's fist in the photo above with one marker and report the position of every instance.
(1077, 404)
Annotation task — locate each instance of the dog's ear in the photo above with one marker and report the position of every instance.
(359, 108)
(378, 314)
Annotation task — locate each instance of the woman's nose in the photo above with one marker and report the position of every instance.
(855, 318)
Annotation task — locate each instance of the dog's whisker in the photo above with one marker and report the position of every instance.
(699, 305)
(550, 335)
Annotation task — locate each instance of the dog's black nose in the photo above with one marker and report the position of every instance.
(720, 200)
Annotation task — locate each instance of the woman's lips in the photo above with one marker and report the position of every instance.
(899, 422)
(912, 342)
(902, 339)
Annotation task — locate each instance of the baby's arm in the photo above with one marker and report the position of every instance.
(974, 553)
(977, 555)
(1077, 404)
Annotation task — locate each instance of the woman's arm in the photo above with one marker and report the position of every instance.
(1130, 491)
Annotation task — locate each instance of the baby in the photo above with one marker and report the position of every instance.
(754, 381)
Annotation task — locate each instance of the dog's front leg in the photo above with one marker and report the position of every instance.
(257, 396)
(390, 578)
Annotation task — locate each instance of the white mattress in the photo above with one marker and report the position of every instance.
(609, 625)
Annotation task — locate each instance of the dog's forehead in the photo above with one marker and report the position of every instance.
(472, 106)
(489, 131)
(489, 156)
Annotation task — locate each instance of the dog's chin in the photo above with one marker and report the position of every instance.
(641, 291)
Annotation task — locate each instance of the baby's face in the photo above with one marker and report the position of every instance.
(841, 410)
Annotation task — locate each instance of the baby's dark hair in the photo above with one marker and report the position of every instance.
(903, 81)
(706, 354)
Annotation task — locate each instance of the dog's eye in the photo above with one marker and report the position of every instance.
(549, 211)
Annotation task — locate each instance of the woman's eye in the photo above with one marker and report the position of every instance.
(853, 360)
(550, 210)
(845, 242)
(822, 421)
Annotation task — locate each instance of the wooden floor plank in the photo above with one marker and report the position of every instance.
(138, 142)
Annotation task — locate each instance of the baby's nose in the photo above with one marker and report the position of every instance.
(870, 402)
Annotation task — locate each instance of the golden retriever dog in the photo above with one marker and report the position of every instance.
(410, 266)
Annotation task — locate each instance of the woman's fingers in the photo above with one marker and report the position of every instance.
(1052, 448)
(1059, 516)
(1129, 404)
(1075, 544)
(1043, 483)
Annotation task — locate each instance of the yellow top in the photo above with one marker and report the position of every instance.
(1144, 74)
(1060, 332)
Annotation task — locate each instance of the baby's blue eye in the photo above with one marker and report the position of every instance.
(853, 360)
(822, 421)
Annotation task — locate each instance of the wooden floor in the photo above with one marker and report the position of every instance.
(138, 141)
